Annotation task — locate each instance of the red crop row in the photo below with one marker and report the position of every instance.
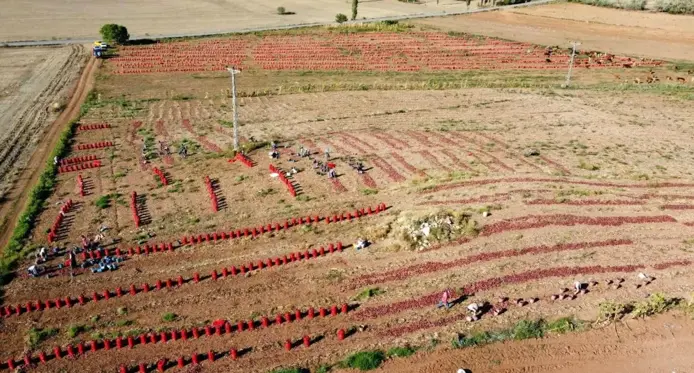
(133, 209)
(79, 167)
(64, 209)
(407, 166)
(251, 231)
(585, 202)
(677, 207)
(213, 196)
(392, 144)
(353, 145)
(243, 159)
(556, 165)
(220, 327)
(202, 139)
(492, 283)
(84, 158)
(464, 184)
(430, 267)
(69, 301)
(96, 145)
(368, 181)
(80, 185)
(431, 158)
(389, 170)
(539, 221)
(337, 184)
(455, 159)
(93, 126)
(161, 175)
(420, 138)
(359, 141)
(370, 51)
(284, 180)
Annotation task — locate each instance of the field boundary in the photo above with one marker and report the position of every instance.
(29, 43)
(29, 204)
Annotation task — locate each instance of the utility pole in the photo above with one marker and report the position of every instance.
(233, 71)
(571, 63)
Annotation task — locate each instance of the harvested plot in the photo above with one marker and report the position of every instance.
(348, 208)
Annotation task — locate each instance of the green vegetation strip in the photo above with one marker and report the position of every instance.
(16, 248)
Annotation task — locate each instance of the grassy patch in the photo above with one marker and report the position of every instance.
(121, 323)
(265, 192)
(368, 293)
(290, 370)
(365, 360)
(38, 335)
(75, 330)
(401, 351)
(369, 192)
(169, 317)
(655, 304)
(564, 325)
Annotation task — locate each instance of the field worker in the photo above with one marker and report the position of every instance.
(327, 154)
(474, 308)
(55, 160)
(445, 299)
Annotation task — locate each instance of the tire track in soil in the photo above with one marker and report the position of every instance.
(33, 169)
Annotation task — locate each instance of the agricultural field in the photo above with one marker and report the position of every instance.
(35, 88)
(635, 33)
(480, 175)
(81, 19)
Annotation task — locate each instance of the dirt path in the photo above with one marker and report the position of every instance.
(617, 31)
(662, 344)
(16, 197)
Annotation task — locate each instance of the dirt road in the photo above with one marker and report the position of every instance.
(653, 35)
(26, 145)
(662, 344)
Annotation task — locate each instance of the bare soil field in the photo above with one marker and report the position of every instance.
(662, 344)
(653, 35)
(31, 82)
(493, 183)
(82, 19)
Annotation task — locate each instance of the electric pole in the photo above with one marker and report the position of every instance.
(233, 73)
(571, 62)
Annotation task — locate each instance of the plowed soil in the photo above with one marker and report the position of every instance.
(34, 79)
(653, 35)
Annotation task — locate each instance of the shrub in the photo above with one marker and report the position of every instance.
(368, 293)
(281, 10)
(103, 202)
(114, 33)
(355, 5)
(38, 335)
(675, 6)
(610, 311)
(526, 329)
(74, 330)
(340, 18)
(290, 370)
(564, 325)
(122, 311)
(168, 317)
(401, 351)
(365, 360)
(655, 304)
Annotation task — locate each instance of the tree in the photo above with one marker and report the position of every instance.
(340, 18)
(114, 33)
(355, 4)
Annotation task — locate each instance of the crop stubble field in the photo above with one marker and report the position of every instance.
(580, 184)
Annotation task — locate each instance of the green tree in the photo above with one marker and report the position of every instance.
(114, 33)
(340, 18)
(355, 4)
